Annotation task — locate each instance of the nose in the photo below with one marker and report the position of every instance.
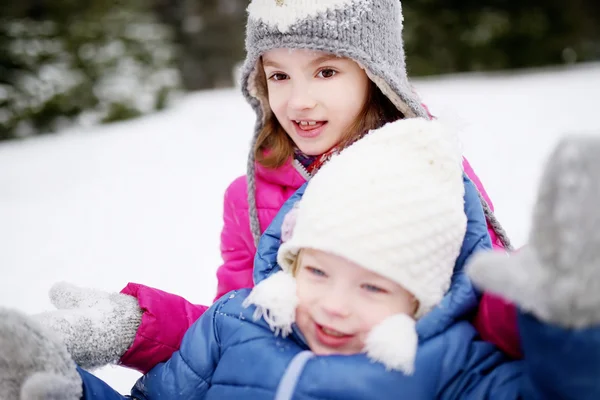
(335, 302)
(301, 97)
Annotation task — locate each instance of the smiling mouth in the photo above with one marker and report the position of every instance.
(309, 125)
(331, 338)
(332, 332)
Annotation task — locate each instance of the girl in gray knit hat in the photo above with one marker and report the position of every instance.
(319, 75)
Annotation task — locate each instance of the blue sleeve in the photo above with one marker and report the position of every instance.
(559, 363)
(477, 236)
(188, 373)
(95, 388)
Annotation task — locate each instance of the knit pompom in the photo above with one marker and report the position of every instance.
(394, 343)
(275, 301)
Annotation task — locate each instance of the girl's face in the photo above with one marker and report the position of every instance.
(315, 96)
(340, 302)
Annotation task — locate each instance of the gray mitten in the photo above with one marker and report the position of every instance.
(557, 276)
(34, 363)
(96, 326)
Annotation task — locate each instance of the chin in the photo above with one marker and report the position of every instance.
(325, 351)
(313, 149)
(320, 351)
(310, 152)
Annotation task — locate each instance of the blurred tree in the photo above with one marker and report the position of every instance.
(210, 39)
(472, 35)
(67, 61)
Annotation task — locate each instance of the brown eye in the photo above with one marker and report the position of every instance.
(278, 77)
(327, 73)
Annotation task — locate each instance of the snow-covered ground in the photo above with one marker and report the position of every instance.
(141, 201)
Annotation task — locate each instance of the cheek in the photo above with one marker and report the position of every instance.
(276, 101)
(347, 101)
(306, 296)
(306, 292)
(370, 314)
(374, 312)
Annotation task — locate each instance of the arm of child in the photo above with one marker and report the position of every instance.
(496, 318)
(188, 373)
(237, 242)
(145, 325)
(559, 363)
(476, 237)
(556, 278)
(167, 317)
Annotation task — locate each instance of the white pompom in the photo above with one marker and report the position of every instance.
(275, 300)
(394, 343)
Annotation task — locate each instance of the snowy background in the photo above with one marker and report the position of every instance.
(142, 201)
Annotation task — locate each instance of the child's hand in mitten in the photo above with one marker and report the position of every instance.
(96, 326)
(34, 363)
(557, 276)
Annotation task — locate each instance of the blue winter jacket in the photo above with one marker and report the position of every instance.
(227, 355)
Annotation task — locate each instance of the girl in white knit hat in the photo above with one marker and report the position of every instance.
(363, 299)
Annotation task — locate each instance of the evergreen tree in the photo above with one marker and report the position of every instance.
(65, 62)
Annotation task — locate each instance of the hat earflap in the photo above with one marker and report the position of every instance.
(394, 343)
(289, 223)
(275, 301)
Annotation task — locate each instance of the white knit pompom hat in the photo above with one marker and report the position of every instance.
(392, 203)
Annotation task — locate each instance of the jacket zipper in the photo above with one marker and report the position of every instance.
(302, 170)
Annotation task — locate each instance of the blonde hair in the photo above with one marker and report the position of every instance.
(274, 147)
(296, 263)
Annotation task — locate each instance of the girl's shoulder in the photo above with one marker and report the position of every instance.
(236, 322)
(236, 193)
(272, 187)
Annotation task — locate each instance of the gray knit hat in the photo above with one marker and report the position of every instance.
(366, 31)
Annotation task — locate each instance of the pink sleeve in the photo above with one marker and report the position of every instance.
(166, 316)
(165, 320)
(237, 242)
(496, 319)
(496, 322)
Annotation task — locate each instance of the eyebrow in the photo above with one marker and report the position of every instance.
(269, 63)
(317, 61)
(322, 59)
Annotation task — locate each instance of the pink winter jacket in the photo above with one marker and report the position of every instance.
(167, 317)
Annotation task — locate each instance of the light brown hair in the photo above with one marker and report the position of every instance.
(274, 147)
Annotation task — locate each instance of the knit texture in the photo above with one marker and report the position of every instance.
(34, 363)
(96, 326)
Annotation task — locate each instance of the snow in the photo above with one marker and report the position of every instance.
(141, 201)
